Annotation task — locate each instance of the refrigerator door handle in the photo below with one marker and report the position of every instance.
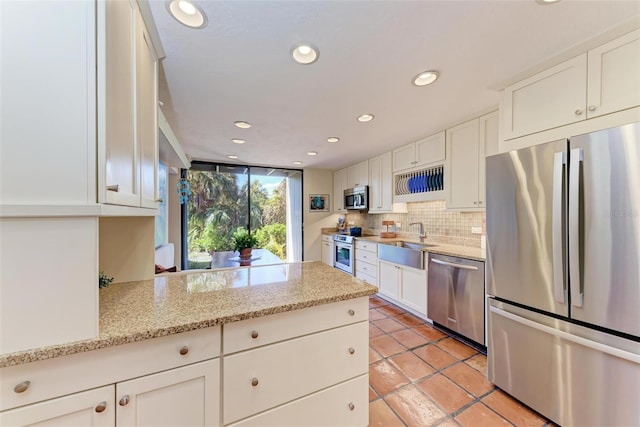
(559, 282)
(576, 157)
(454, 265)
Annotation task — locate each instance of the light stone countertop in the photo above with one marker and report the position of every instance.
(181, 302)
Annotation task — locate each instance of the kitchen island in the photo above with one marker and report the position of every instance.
(266, 336)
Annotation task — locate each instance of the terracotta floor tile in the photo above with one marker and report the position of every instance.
(384, 377)
(386, 346)
(376, 315)
(411, 365)
(409, 320)
(435, 356)
(380, 415)
(375, 301)
(373, 356)
(391, 310)
(389, 325)
(374, 331)
(469, 379)
(449, 422)
(455, 347)
(479, 415)
(409, 339)
(428, 332)
(513, 410)
(445, 392)
(372, 394)
(479, 362)
(414, 408)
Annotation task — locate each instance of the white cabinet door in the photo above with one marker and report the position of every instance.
(414, 289)
(553, 98)
(404, 157)
(488, 145)
(462, 162)
(93, 408)
(327, 253)
(118, 178)
(358, 175)
(614, 76)
(339, 185)
(430, 149)
(147, 98)
(380, 184)
(187, 396)
(388, 280)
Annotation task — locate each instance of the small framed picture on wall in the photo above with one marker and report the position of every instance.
(318, 203)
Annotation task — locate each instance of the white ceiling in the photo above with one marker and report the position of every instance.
(239, 68)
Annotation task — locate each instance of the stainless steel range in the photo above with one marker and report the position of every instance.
(343, 252)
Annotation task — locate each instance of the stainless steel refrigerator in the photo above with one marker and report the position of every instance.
(563, 277)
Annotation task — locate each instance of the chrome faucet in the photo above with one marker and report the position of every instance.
(422, 234)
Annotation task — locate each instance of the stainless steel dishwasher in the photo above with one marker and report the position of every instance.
(456, 295)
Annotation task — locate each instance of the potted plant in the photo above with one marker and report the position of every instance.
(243, 242)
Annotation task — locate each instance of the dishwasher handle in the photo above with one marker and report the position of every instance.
(454, 265)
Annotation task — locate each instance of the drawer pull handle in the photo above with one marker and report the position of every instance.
(352, 312)
(114, 187)
(101, 406)
(184, 350)
(124, 401)
(159, 200)
(254, 334)
(352, 350)
(22, 387)
(254, 382)
(351, 406)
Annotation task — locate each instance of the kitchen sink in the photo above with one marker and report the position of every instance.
(405, 253)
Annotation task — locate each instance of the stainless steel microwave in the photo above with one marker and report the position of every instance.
(357, 198)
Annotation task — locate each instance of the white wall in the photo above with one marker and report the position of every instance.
(316, 181)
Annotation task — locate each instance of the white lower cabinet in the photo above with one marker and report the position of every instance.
(327, 250)
(345, 404)
(92, 408)
(186, 396)
(404, 285)
(366, 255)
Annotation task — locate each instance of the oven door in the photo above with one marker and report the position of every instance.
(343, 257)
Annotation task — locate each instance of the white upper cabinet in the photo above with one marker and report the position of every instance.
(601, 81)
(380, 184)
(358, 174)
(420, 153)
(339, 185)
(465, 164)
(614, 76)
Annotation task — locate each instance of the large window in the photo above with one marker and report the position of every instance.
(265, 201)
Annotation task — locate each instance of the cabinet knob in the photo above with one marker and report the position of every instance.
(124, 401)
(160, 200)
(592, 108)
(101, 406)
(254, 382)
(480, 202)
(351, 312)
(352, 350)
(475, 203)
(184, 350)
(351, 406)
(114, 187)
(254, 334)
(22, 387)
(578, 112)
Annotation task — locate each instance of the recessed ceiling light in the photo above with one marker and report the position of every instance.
(333, 139)
(238, 141)
(242, 125)
(232, 156)
(304, 54)
(297, 162)
(425, 78)
(312, 153)
(187, 13)
(365, 118)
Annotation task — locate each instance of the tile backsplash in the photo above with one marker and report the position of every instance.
(440, 224)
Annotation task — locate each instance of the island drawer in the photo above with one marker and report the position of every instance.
(263, 378)
(345, 404)
(81, 371)
(261, 331)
